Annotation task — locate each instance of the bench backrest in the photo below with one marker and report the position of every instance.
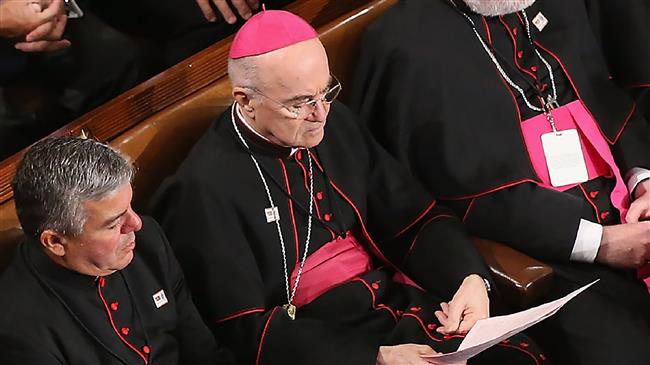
(161, 140)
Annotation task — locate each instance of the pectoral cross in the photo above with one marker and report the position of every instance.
(291, 310)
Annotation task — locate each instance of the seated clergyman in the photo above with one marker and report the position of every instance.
(294, 214)
(93, 283)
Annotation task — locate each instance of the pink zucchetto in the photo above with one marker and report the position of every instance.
(270, 30)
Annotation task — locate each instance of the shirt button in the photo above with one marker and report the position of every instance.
(327, 217)
(102, 282)
(520, 54)
(515, 30)
(593, 194)
(146, 349)
(299, 155)
(114, 306)
(125, 331)
(320, 195)
(533, 68)
(604, 214)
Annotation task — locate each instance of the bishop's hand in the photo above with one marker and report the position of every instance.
(470, 303)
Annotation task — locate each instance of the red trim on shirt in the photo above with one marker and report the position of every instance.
(639, 85)
(500, 187)
(514, 46)
(374, 299)
(423, 226)
(363, 227)
(426, 210)
(573, 85)
(469, 209)
(584, 192)
(110, 319)
(293, 218)
(318, 214)
(520, 349)
(240, 314)
(424, 327)
(266, 327)
(487, 30)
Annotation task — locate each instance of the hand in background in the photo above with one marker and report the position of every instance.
(245, 9)
(41, 23)
(640, 207)
(470, 303)
(625, 245)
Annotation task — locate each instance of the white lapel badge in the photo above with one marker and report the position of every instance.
(272, 214)
(160, 298)
(540, 21)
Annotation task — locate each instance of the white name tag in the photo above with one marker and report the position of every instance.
(564, 159)
(272, 214)
(159, 298)
(540, 21)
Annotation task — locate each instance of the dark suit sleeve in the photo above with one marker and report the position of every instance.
(425, 239)
(540, 222)
(223, 274)
(197, 345)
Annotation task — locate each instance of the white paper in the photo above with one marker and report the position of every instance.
(488, 332)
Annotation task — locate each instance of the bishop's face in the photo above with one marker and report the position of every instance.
(497, 7)
(292, 79)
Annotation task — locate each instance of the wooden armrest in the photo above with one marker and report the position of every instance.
(521, 279)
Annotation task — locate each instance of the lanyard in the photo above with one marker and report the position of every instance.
(551, 100)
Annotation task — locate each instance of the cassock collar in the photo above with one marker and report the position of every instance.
(257, 142)
(52, 272)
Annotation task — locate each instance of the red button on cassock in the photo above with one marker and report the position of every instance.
(125, 331)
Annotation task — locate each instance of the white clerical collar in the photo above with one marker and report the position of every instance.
(250, 127)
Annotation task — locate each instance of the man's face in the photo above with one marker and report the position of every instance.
(108, 238)
(293, 76)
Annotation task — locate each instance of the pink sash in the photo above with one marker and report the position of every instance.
(595, 149)
(335, 263)
(598, 156)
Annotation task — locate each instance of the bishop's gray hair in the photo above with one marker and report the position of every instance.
(243, 72)
(57, 175)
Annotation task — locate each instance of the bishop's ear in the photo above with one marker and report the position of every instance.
(244, 98)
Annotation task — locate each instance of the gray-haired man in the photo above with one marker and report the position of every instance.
(77, 291)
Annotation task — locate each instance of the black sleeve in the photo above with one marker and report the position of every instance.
(227, 286)
(418, 234)
(540, 222)
(197, 345)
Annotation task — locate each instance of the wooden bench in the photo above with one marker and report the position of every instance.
(157, 122)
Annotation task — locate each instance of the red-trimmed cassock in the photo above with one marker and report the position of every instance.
(140, 315)
(370, 218)
(431, 94)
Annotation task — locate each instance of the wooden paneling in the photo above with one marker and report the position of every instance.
(186, 78)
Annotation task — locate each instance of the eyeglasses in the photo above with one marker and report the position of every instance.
(303, 109)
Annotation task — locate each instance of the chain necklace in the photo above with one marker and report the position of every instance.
(551, 100)
(291, 293)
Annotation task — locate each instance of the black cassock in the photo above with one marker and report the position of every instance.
(142, 314)
(213, 210)
(430, 94)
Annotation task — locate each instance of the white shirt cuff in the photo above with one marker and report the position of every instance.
(587, 241)
(634, 177)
